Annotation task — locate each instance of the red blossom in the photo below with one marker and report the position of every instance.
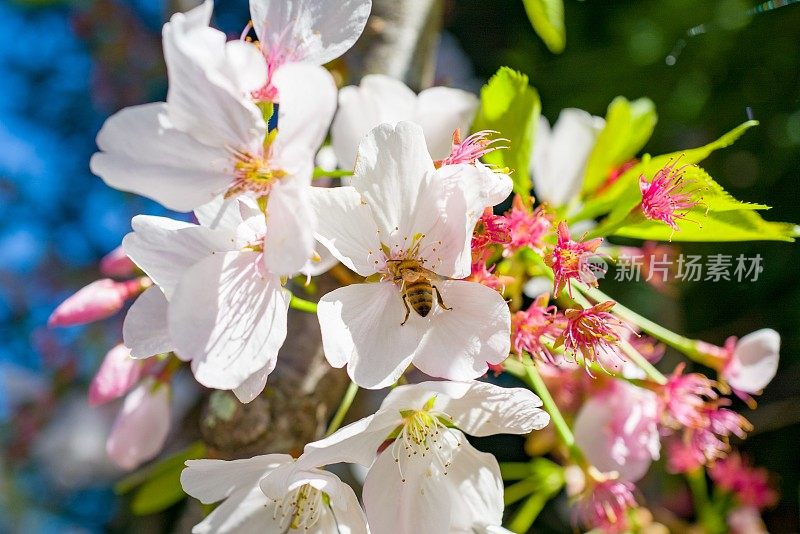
(569, 260)
(668, 197)
(591, 332)
(527, 226)
(471, 149)
(529, 326)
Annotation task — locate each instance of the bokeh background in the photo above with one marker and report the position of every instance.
(65, 65)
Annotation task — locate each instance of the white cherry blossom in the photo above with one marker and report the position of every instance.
(560, 155)
(403, 219)
(428, 478)
(210, 138)
(218, 301)
(308, 31)
(270, 495)
(381, 99)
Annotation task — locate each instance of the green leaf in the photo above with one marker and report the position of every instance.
(741, 225)
(547, 18)
(626, 188)
(158, 493)
(629, 126)
(192, 452)
(512, 107)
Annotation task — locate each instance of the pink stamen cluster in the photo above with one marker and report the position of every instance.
(569, 260)
(749, 484)
(490, 230)
(527, 226)
(606, 506)
(528, 327)
(668, 197)
(692, 406)
(471, 149)
(591, 332)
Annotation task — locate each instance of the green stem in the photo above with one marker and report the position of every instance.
(303, 305)
(322, 173)
(565, 433)
(343, 408)
(708, 517)
(676, 341)
(636, 357)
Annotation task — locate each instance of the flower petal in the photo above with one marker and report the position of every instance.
(356, 443)
(213, 480)
(117, 375)
(475, 487)
(203, 75)
(361, 328)
(317, 32)
(143, 153)
(560, 155)
(476, 408)
(755, 361)
(346, 228)
(165, 248)
(246, 511)
(253, 385)
(379, 99)
(289, 241)
(416, 501)
(229, 317)
(392, 173)
(440, 110)
(141, 427)
(308, 101)
(145, 328)
(459, 343)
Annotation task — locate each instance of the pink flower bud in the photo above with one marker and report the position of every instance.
(116, 264)
(617, 429)
(141, 427)
(753, 361)
(118, 373)
(100, 299)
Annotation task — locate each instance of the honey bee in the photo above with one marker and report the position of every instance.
(416, 286)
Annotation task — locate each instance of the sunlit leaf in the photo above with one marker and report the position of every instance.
(547, 18)
(512, 107)
(159, 493)
(742, 225)
(629, 126)
(626, 188)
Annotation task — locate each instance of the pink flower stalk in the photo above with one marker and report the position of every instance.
(749, 484)
(668, 197)
(684, 398)
(116, 264)
(529, 326)
(528, 227)
(471, 149)
(591, 332)
(99, 300)
(142, 425)
(605, 505)
(748, 364)
(118, 373)
(569, 260)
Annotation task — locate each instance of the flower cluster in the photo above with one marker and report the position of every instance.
(440, 276)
